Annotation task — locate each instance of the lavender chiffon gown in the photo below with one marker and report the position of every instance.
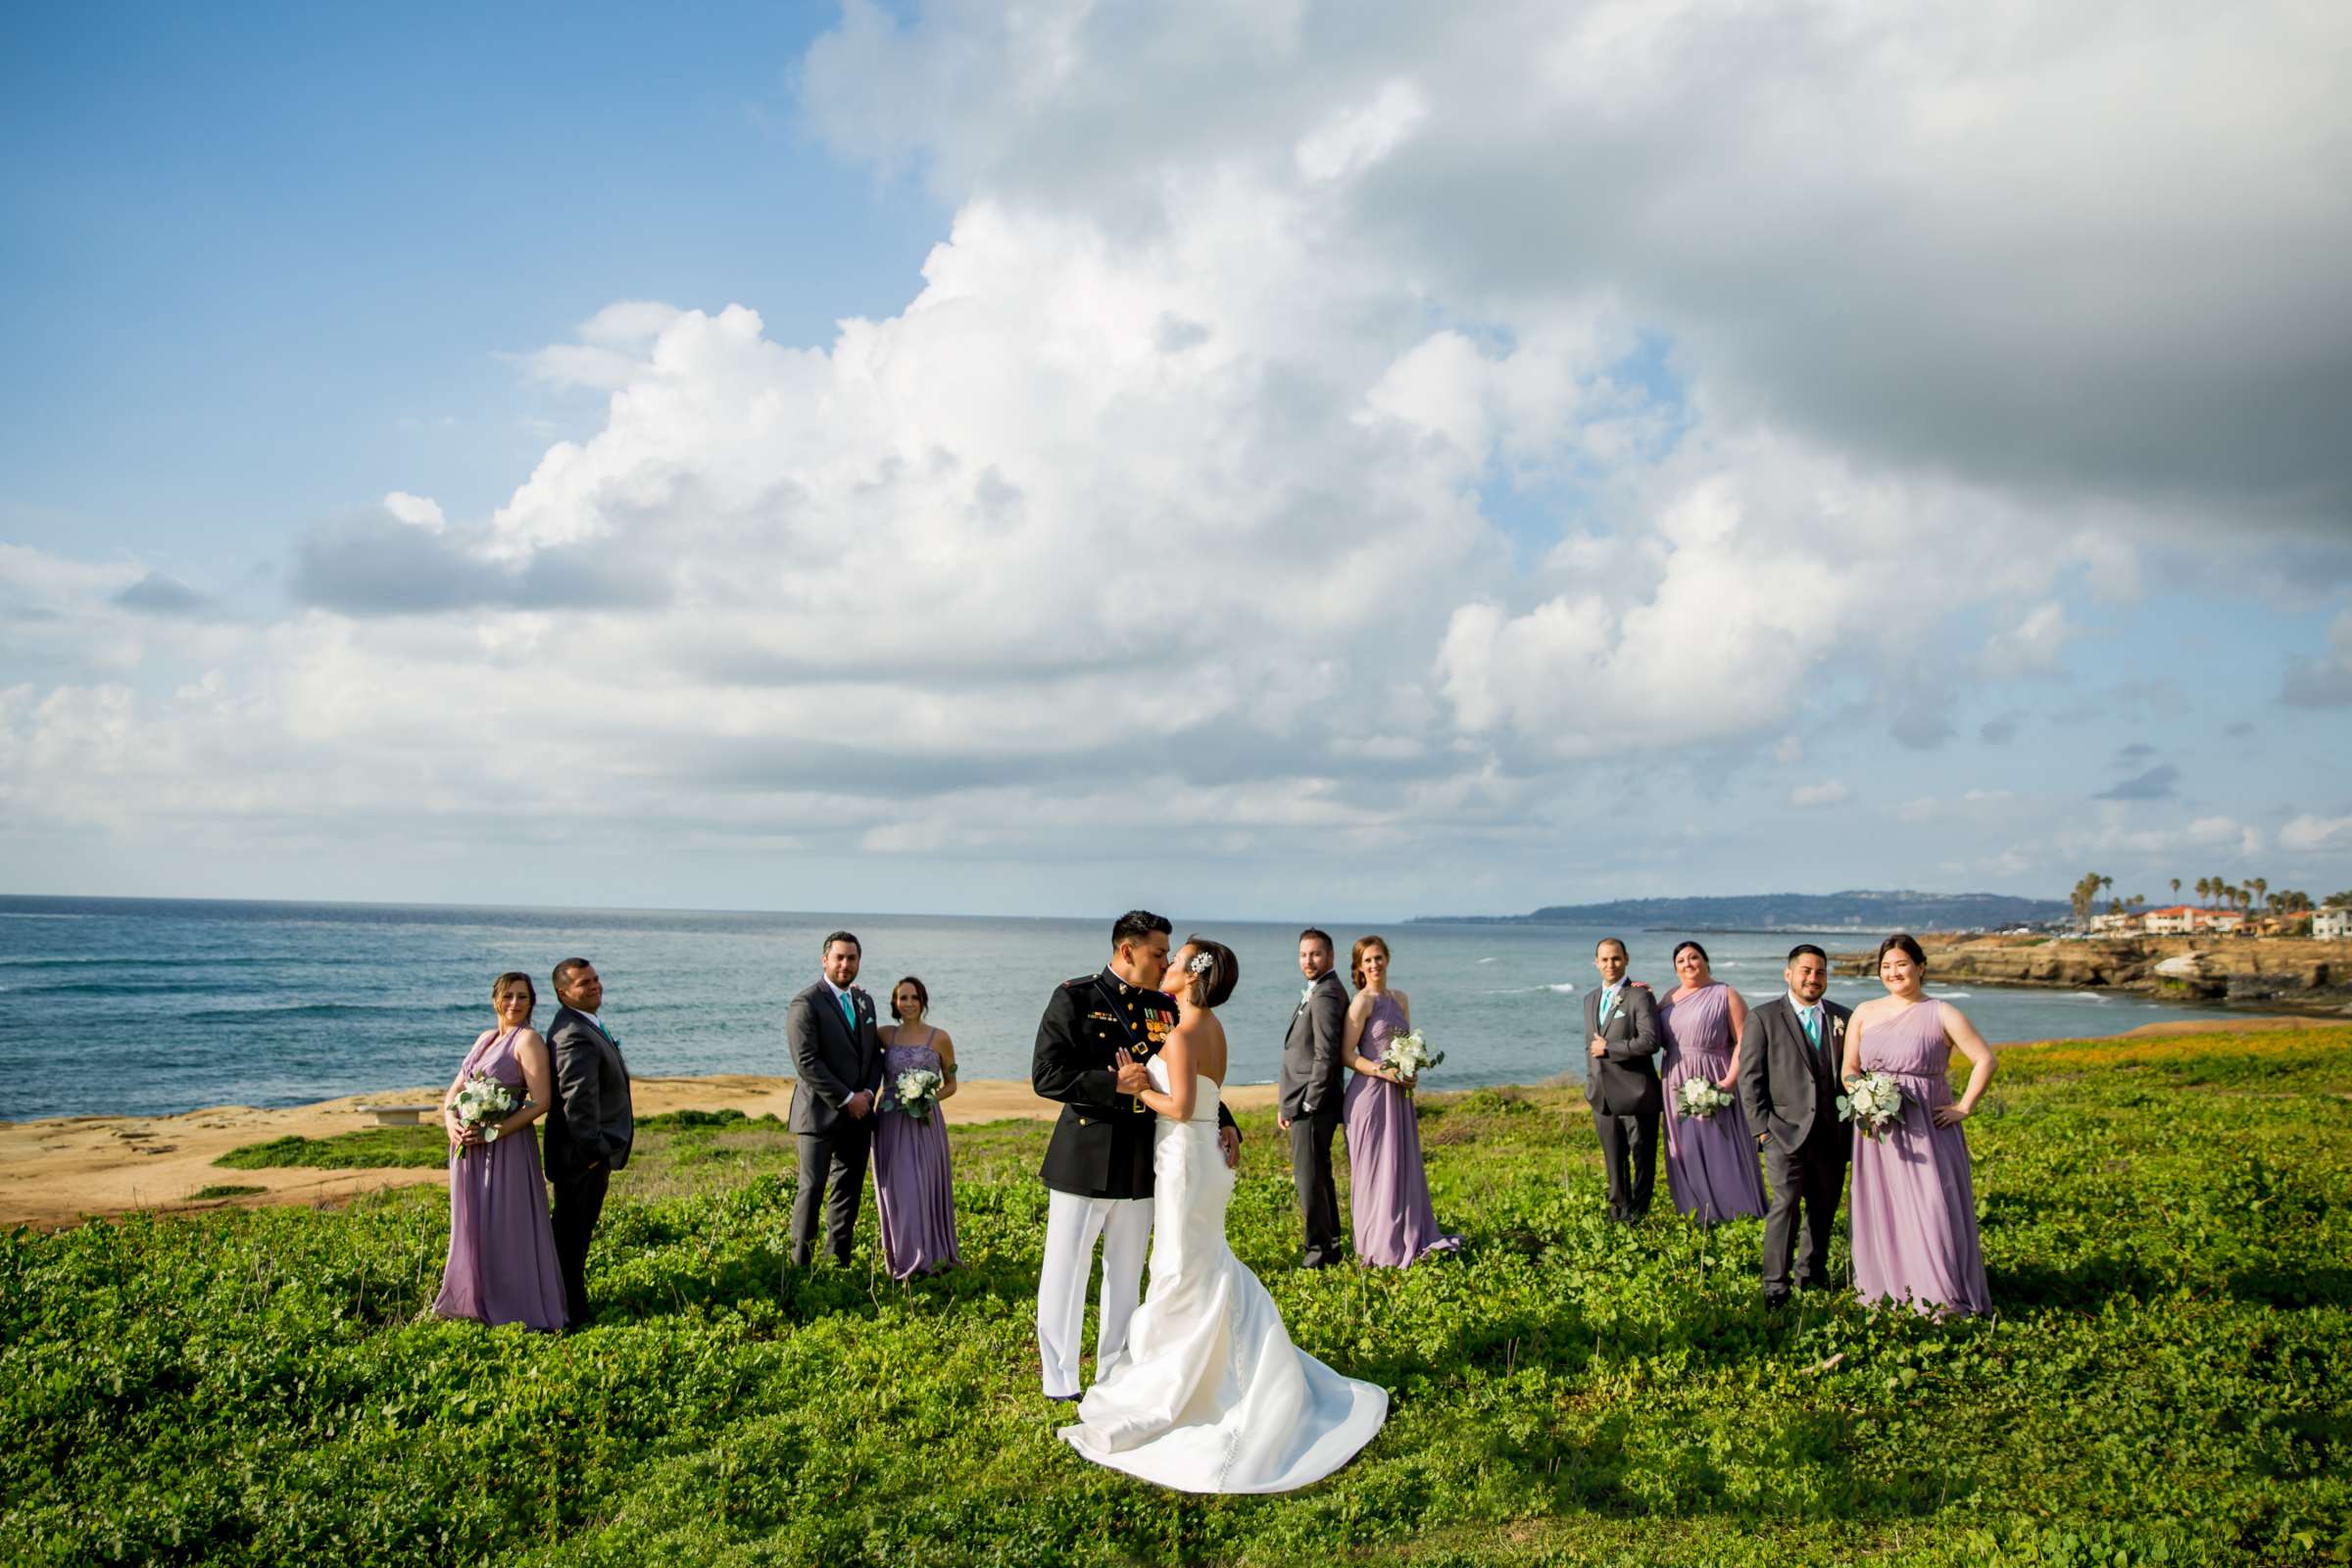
(502, 1251)
(914, 1192)
(1711, 1162)
(1389, 1212)
(1914, 1208)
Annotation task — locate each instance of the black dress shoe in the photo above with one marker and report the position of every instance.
(1776, 1300)
(1062, 1398)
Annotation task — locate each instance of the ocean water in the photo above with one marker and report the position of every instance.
(139, 1006)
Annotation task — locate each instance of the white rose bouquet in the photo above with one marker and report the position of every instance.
(1872, 1103)
(1697, 1098)
(1407, 1055)
(918, 1089)
(484, 1102)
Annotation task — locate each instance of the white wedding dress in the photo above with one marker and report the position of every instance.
(1213, 1396)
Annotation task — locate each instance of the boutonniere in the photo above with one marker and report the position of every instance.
(1306, 996)
(1837, 1028)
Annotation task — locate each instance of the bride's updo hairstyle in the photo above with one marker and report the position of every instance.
(1355, 957)
(1209, 985)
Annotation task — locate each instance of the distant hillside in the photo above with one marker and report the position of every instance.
(1858, 907)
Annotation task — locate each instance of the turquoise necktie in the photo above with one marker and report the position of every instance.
(849, 1011)
(1813, 1026)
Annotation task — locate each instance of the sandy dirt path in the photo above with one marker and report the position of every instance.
(59, 1170)
(56, 1171)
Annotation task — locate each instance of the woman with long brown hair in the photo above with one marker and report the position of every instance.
(1389, 1212)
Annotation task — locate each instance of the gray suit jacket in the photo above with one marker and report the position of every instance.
(591, 1119)
(830, 1062)
(1783, 1085)
(1625, 1081)
(1313, 1076)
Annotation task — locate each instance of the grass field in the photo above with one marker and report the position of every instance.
(2168, 1226)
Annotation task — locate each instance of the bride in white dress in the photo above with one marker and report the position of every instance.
(1213, 1396)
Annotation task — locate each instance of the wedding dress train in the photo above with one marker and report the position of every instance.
(1213, 1396)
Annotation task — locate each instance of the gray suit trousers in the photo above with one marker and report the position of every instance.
(835, 1159)
(1813, 1178)
(1629, 1152)
(1318, 1194)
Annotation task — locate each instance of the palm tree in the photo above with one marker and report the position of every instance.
(2176, 887)
(2085, 893)
(2204, 887)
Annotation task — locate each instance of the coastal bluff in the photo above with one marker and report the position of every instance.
(2251, 971)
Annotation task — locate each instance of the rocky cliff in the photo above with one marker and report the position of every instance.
(2253, 970)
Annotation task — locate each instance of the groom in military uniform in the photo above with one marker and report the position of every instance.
(1098, 1032)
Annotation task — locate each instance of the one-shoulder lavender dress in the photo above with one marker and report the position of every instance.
(914, 1189)
(1711, 1162)
(1389, 1212)
(502, 1251)
(1914, 1208)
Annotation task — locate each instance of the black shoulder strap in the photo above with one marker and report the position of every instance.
(1136, 1047)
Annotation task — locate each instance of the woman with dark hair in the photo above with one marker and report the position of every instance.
(1710, 1161)
(502, 1263)
(1914, 1207)
(1212, 1395)
(914, 1188)
(1389, 1212)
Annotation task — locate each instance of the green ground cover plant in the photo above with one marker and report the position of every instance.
(369, 1148)
(2168, 1226)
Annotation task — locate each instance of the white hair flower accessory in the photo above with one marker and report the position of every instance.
(1200, 963)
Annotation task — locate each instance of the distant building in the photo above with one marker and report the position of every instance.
(2332, 925)
(2186, 919)
(2115, 925)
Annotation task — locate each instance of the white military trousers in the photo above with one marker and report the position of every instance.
(1073, 1224)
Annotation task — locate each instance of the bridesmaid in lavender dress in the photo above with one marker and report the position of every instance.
(1914, 1205)
(914, 1192)
(1389, 1212)
(1711, 1161)
(502, 1251)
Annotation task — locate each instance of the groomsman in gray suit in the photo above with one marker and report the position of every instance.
(837, 1063)
(1621, 1081)
(1789, 1067)
(588, 1131)
(1312, 1091)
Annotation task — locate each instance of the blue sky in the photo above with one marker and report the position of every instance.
(1358, 459)
(290, 245)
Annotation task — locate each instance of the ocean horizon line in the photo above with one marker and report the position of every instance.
(821, 914)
